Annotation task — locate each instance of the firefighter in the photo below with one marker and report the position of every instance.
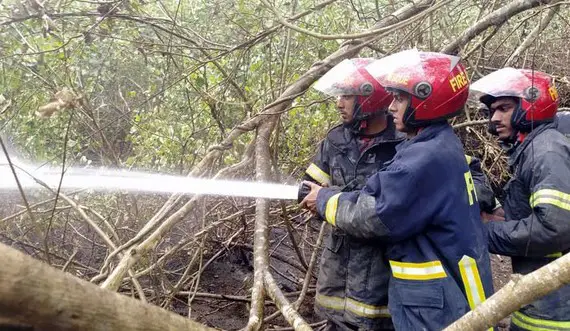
(352, 287)
(423, 204)
(522, 105)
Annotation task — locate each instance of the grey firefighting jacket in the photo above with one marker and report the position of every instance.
(537, 226)
(352, 286)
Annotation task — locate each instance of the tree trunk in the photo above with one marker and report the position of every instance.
(36, 294)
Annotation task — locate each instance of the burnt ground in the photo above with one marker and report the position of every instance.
(501, 267)
(230, 276)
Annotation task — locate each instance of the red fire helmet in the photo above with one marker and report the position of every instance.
(535, 91)
(437, 83)
(349, 78)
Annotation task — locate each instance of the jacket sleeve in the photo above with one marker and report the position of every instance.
(547, 229)
(485, 194)
(389, 207)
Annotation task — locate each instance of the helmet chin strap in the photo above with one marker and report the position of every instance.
(359, 121)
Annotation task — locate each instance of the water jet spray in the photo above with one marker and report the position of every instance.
(109, 180)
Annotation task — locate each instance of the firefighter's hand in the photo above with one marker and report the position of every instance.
(486, 217)
(310, 201)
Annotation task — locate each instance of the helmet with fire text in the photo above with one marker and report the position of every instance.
(349, 78)
(535, 93)
(437, 84)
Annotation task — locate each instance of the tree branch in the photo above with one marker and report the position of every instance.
(26, 282)
(544, 22)
(495, 18)
(261, 234)
(521, 290)
(369, 33)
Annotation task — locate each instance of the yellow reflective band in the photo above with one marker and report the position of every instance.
(330, 211)
(535, 324)
(556, 255)
(318, 174)
(468, 158)
(471, 281)
(330, 302)
(417, 271)
(353, 306)
(366, 310)
(549, 196)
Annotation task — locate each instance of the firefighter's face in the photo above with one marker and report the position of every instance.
(345, 105)
(398, 108)
(501, 113)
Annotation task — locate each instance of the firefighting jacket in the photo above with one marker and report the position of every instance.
(352, 286)
(537, 226)
(563, 122)
(423, 207)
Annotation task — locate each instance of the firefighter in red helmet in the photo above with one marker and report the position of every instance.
(522, 104)
(423, 204)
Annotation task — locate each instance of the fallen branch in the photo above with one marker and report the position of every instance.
(49, 299)
(289, 311)
(520, 291)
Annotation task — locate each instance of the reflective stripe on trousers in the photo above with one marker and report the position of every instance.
(353, 306)
(534, 324)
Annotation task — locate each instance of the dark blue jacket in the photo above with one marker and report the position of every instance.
(424, 206)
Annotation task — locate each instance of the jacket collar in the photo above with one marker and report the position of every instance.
(518, 148)
(425, 134)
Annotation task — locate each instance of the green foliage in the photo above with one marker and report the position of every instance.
(161, 82)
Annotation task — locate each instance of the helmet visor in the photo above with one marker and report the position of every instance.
(346, 78)
(506, 82)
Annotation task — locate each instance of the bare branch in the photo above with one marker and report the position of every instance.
(544, 22)
(495, 18)
(471, 123)
(521, 290)
(370, 33)
(289, 311)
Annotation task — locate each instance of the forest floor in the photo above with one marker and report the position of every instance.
(227, 275)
